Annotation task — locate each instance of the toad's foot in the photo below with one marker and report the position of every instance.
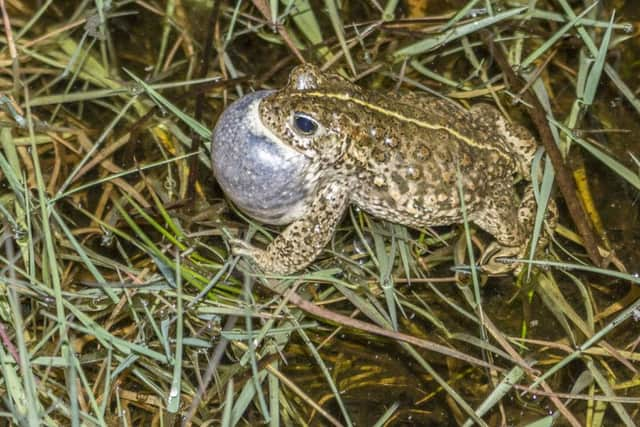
(494, 259)
(241, 248)
(256, 256)
(301, 242)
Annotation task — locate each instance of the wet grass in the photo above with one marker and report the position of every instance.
(121, 305)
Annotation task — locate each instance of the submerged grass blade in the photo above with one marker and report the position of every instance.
(498, 393)
(624, 315)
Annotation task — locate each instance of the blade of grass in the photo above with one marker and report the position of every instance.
(617, 167)
(245, 397)
(553, 299)
(173, 399)
(103, 136)
(386, 263)
(388, 14)
(232, 24)
(624, 315)
(169, 11)
(550, 15)
(338, 27)
(273, 5)
(197, 127)
(306, 21)
(609, 70)
(62, 195)
(477, 300)
(388, 414)
(463, 12)
(542, 202)
(434, 42)
(50, 274)
(325, 372)
(606, 388)
(595, 73)
(498, 393)
(251, 349)
(228, 405)
(555, 37)
(547, 421)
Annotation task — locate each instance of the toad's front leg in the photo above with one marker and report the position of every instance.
(299, 244)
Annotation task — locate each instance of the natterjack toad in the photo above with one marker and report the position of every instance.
(300, 155)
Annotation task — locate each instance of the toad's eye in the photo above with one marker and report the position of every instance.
(304, 124)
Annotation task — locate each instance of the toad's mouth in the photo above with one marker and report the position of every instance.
(262, 176)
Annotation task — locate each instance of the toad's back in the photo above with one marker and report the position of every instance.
(405, 153)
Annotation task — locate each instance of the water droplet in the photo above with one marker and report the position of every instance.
(360, 247)
(173, 392)
(389, 141)
(479, 11)
(107, 239)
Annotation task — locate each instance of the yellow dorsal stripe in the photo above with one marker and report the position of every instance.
(401, 117)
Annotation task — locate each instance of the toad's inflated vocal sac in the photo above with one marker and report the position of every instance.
(300, 155)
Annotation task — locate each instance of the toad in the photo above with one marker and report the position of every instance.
(302, 154)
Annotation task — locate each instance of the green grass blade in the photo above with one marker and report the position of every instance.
(434, 42)
(554, 38)
(197, 127)
(338, 27)
(617, 167)
(498, 393)
(619, 319)
(173, 399)
(593, 80)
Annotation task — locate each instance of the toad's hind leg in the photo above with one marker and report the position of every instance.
(527, 215)
(499, 217)
(516, 138)
(511, 227)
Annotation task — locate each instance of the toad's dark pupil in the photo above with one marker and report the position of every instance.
(304, 123)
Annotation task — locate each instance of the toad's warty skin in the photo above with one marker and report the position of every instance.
(300, 155)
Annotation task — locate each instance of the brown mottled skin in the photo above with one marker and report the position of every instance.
(396, 157)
